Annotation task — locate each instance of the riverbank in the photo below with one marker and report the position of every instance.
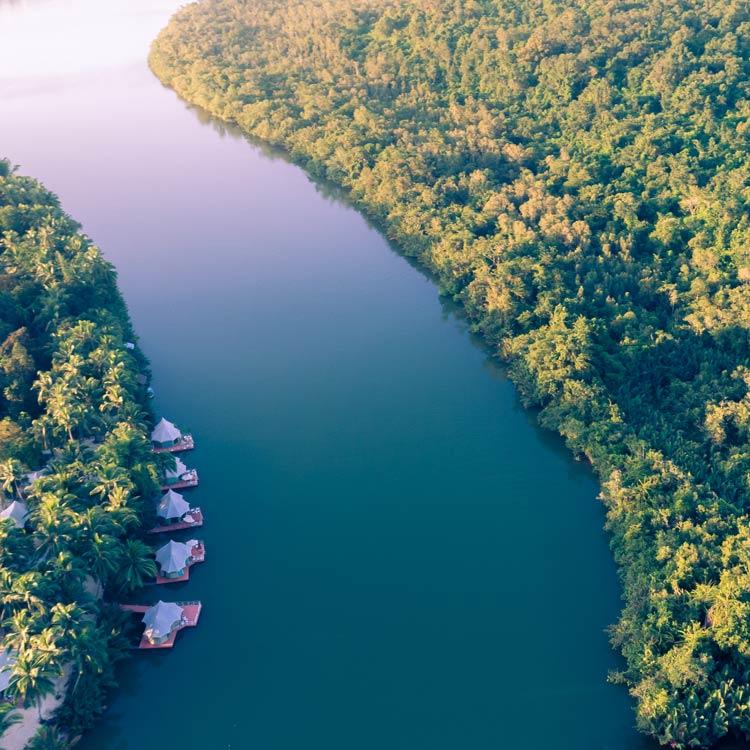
(31, 719)
(78, 473)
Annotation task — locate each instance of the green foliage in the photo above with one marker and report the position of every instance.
(47, 738)
(577, 176)
(73, 402)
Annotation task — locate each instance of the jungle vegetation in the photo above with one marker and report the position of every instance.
(74, 404)
(577, 176)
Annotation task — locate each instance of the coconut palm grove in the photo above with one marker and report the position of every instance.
(75, 403)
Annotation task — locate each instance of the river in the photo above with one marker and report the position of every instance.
(397, 556)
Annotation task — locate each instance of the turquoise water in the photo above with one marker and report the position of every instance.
(397, 557)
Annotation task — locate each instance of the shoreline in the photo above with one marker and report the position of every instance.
(80, 461)
(17, 736)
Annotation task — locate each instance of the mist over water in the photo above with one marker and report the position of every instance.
(397, 557)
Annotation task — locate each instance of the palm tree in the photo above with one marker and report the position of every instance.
(87, 651)
(109, 478)
(19, 630)
(118, 499)
(63, 482)
(61, 410)
(11, 476)
(53, 530)
(15, 547)
(101, 556)
(95, 521)
(66, 573)
(33, 677)
(126, 446)
(7, 579)
(66, 618)
(84, 643)
(132, 414)
(43, 384)
(136, 565)
(26, 592)
(46, 643)
(165, 462)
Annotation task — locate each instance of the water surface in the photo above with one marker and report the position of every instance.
(397, 556)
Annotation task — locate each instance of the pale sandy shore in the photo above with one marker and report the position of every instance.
(18, 736)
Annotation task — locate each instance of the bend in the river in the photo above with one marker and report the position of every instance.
(396, 555)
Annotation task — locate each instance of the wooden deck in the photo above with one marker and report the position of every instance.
(198, 555)
(191, 612)
(186, 444)
(196, 513)
(181, 484)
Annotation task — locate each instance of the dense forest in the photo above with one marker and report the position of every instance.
(74, 406)
(577, 176)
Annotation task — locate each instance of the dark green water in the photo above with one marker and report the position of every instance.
(397, 556)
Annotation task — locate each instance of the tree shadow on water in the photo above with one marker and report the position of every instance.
(452, 311)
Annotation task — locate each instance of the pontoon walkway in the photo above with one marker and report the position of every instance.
(195, 513)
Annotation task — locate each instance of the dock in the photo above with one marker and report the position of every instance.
(182, 484)
(191, 614)
(185, 443)
(197, 555)
(195, 513)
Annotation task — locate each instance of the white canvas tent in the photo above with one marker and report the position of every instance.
(161, 619)
(16, 512)
(173, 557)
(165, 432)
(7, 660)
(172, 505)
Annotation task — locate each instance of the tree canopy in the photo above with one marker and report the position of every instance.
(577, 176)
(74, 405)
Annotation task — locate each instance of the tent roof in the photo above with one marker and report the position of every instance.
(172, 505)
(16, 512)
(7, 660)
(160, 618)
(173, 556)
(165, 432)
(179, 469)
(32, 476)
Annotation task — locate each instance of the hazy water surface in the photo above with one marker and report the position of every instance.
(397, 557)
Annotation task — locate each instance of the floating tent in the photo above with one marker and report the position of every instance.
(16, 512)
(165, 433)
(172, 505)
(7, 660)
(173, 558)
(160, 620)
(177, 472)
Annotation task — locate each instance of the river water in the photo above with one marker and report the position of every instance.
(397, 557)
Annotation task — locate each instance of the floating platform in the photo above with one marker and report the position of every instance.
(182, 484)
(186, 443)
(195, 513)
(197, 555)
(191, 612)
